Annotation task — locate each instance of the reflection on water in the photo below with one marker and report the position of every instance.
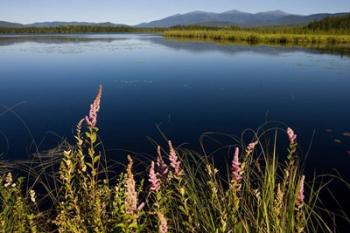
(10, 40)
(185, 87)
(280, 48)
(189, 45)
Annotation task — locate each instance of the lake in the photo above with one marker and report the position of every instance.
(183, 88)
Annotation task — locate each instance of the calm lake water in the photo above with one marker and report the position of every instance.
(186, 88)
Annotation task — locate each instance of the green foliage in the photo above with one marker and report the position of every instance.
(189, 194)
(201, 27)
(72, 29)
(331, 24)
(17, 213)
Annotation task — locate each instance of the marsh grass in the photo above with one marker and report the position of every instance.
(339, 49)
(181, 191)
(252, 36)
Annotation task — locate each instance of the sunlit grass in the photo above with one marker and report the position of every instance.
(260, 36)
(181, 191)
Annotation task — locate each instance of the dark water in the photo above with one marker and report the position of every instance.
(188, 88)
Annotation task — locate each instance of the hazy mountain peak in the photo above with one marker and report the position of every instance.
(9, 24)
(197, 12)
(234, 12)
(237, 18)
(58, 24)
(274, 12)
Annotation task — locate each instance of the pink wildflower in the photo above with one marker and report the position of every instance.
(174, 160)
(91, 119)
(153, 179)
(235, 168)
(141, 206)
(162, 168)
(131, 194)
(163, 225)
(300, 196)
(251, 147)
(291, 136)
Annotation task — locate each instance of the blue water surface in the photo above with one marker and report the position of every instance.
(185, 88)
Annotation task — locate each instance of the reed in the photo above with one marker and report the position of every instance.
(261, 36)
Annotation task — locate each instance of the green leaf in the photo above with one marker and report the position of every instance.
(96, 158)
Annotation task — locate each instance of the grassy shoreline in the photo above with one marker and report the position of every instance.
(266, 37)
(336, 49)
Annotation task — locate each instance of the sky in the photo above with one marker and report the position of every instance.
(136, 11)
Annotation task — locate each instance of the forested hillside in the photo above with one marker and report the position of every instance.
(338, 23)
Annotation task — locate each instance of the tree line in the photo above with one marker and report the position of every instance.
(339, 23)
(69, 29)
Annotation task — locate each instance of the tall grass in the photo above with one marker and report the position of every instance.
(183, 192)
(260, 36)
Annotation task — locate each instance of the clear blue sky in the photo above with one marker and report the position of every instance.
(136, 11)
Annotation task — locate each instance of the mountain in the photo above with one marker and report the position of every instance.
(58, 24)
(275, 13)
(9, 24)
(227, 18)
(178, 19)
(235, 17)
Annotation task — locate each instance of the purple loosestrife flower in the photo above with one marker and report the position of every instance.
(153, 179)
(141, 206)
(291, 136)
(300, 195)
(163, 225)
(131, 194)
(162, 168)
(250, 148)
(236, 167)
(91, 119)
(174, 159)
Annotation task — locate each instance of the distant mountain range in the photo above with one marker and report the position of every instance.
(58, 24)
(238, 18)
(9, 25)
(227, 18)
